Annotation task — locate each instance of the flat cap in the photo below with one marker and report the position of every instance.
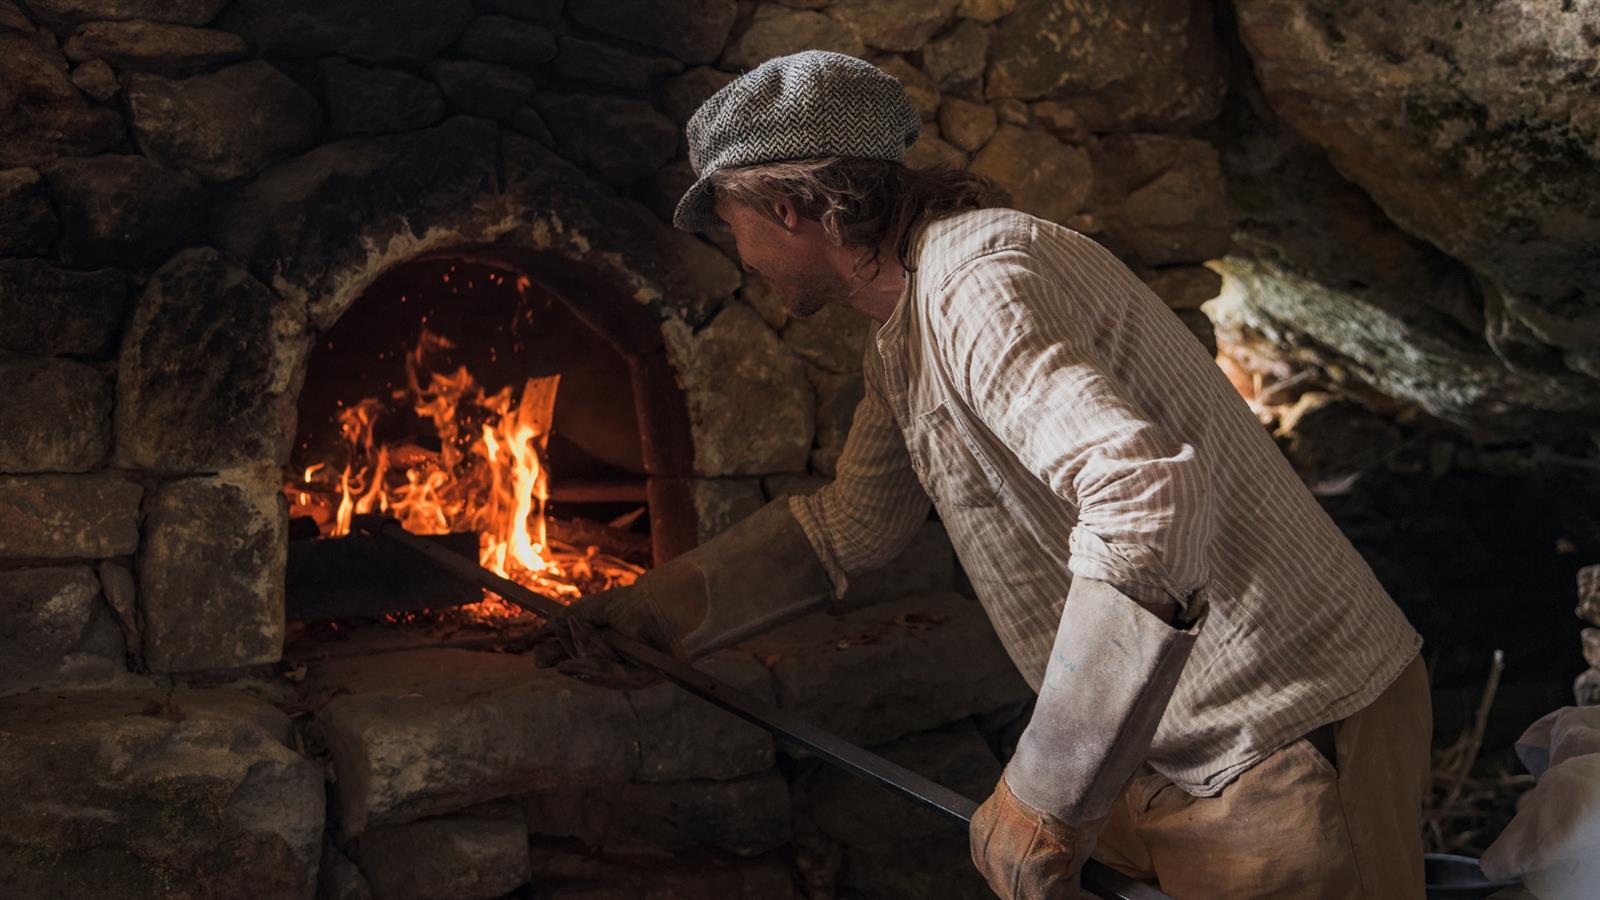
(803, 106)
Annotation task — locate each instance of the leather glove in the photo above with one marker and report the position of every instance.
(1028, 854)
(753, 577)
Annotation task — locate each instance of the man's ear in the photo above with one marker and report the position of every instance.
(786, 214)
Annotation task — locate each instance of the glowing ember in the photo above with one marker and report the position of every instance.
(488, 476)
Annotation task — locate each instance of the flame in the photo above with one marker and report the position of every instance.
(490, 475)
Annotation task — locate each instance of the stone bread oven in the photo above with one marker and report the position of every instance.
(197, 198)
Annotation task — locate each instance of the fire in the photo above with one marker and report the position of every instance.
(490, 475)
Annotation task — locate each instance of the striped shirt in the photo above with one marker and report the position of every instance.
(1065, 422)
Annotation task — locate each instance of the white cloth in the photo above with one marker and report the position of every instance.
(1553, 842)
(1065, 422)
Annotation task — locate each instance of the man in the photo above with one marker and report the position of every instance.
(1228, 702)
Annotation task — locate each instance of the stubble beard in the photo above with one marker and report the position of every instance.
(805, 295)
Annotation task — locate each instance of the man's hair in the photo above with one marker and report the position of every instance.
(866, 203)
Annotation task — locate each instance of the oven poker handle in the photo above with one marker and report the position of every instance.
(1098, 878)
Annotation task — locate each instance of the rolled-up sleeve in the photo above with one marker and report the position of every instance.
(1035, 378)
(869, 512)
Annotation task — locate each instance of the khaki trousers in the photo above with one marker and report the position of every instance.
(1295, 825)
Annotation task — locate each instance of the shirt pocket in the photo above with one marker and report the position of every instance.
(952, 466)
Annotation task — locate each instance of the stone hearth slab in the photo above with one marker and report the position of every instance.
(428, 732)
(478, 853)
(747, 816)
(143, 794)
(877, 673)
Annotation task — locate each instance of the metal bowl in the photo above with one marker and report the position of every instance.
(1451, 877)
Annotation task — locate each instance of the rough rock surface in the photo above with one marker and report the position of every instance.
(1589, 595)
(1183, 287)
(955, 60)
(598, 63)
(68, 516)
(1122, 66)
(834, 339)
(682, 737)
(208, 373)
(211, 572)
(55, 416)
(373, 101)
(751, 410)
(891, 669)
(778, 31)
(362, 29)
(720, 502)
(966, 124)
(96, 79)
(58, 630)
(480, 88)
(500, 39)
(894, 24)
(1479, 137)
(431, 732)
(58, 312)
(838, 395)
(225, 124)
(691, 30)
(682, 95)
(28, 225)
(74, 12)
(919, 87)
(567, 873)
(157, 46)
(462, 857)
(1045, 177)
(747, 816)
(149, 794)
(120, 210)
(622, 140)
(320, 226)
(1160, 199)
(42, 114)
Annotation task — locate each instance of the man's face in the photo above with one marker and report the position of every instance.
(798, 260)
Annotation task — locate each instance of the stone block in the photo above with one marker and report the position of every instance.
(211, 571)
(154, 46)
(567, 872)
(691, 30)
(431, 732)
(464, 857)
(985, 10)
(1589, 594)
(121, 592)
(720, 502)
(209, 370)
(834, 339)
(512, 42)
(966, 124)
(42, 114)
(1161, 199)
(934, 152)
(28, 225)
(681, 96)
(96, 79)
(925, 567)
(1586, 688)
(837, 399)
(597, 63)
(1183, 287)
(339, 878)
(779, 31)
(373, 101)
(902, 25)
(122, 211)
(68, 516)
(480, 88)
(539, 12)
(55, 416)
(58, 631)
(682, 737)
(751, 410)
(360, 29)
(747, 816)
(58, 312)
(322, 225)
(622, 140)
(956, 59)
(884, 671)
(918, 86)
(1045, 177)
(1591, 646)
(225, 124)
(155, 794)
(56, 13)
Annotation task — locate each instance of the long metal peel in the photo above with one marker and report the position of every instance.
(1098, 878)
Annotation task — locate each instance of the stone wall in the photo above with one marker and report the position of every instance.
(190, 191)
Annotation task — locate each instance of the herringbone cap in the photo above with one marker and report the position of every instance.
(802, 106)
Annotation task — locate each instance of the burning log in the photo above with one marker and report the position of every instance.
(360, 576)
